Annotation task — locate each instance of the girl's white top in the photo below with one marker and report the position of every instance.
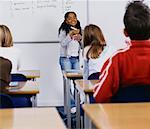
(68, 47)
(13, 54)
(95, 65)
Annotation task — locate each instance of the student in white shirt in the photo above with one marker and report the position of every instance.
(69, 37)
(95, 51)
(7, 50)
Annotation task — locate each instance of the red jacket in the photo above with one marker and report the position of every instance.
(129, 66)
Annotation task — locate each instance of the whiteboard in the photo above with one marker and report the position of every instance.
(39, 20)
(108, 15)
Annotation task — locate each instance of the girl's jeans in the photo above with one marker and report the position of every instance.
(69, 63)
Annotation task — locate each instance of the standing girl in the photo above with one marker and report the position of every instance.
(69, 37)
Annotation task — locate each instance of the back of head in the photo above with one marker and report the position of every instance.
(93, 33)
(5, 71)
(137, 20)
(5, 37)
(93, 37)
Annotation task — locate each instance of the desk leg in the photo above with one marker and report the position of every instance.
(68, 100)
(77, 99)
(65, 95)
(34, 101)
(87, 121)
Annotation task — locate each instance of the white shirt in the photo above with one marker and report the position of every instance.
(68, 47)
(95, 65)
(73, 48)
(13, 54)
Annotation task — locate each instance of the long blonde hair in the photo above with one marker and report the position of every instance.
(93, 37)
(5, 36)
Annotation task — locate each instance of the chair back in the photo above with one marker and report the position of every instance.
(132, 94)
(16, 77)
(94, 76)
(6, 101)
(5, 71)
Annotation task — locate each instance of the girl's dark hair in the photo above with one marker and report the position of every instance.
(93, 37)
(66, 27)
(137, 20)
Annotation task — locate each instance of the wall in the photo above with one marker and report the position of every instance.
(109, 16)
(45, 57)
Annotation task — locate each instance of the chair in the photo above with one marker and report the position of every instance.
(132, 94)
(6, 101)
(21, 101)
(94, 76)
(18, 77)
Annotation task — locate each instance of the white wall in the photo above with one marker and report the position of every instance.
(46, 58)
(108, 15)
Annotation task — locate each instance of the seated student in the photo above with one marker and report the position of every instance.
(5, 78)
(129, 66)
(13, 54)
(7, 49)
(95, 51)
(5, 70)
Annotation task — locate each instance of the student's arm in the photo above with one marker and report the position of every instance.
(85, 63)
(109, 81)
(63, 39)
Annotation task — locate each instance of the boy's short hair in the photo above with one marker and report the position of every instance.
(137, 20)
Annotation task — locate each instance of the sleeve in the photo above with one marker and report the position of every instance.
(109, 81)
(85, 70)
(85, 63)
(63, 39)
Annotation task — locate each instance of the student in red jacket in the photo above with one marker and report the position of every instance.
(129, 66)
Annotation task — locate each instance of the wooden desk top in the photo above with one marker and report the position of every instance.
(119, 116)
(30, 118)
(73, 75)
(28, 87)
(30, 73)
(85, 85)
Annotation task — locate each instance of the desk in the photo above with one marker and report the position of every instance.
(25, 88)
(30, 74)
(30, 118)
(67, 77)
(119, 116)
(85, 87)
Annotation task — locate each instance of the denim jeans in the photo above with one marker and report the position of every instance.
(69, 63)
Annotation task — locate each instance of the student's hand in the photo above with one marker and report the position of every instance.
(74, 32)
(77, 37)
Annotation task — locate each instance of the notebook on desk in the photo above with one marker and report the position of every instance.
(13, 86)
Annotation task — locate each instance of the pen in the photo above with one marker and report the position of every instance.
(73, 28)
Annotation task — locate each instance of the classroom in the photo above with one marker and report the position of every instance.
(34, 25)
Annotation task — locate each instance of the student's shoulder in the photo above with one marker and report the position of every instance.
(86, 50)
(15, 49)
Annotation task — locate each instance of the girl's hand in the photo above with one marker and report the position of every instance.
(77, 37)
(74, 32)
